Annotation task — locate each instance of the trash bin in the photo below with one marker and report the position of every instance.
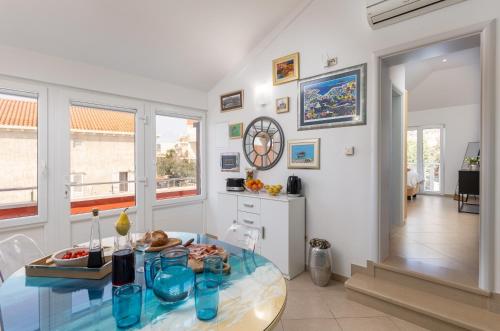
(320, 261)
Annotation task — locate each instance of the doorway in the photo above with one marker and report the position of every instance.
(427, 153)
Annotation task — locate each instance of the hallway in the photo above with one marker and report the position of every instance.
(437, 240)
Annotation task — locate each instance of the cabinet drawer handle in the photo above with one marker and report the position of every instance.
(248, 221)
(263, 233)
(248, 205)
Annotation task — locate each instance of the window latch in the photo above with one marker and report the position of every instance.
(144, 119)
(143, 180)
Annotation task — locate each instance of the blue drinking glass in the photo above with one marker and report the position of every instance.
(151, 267)
(213, 268)
(127, 305)
(206, 299)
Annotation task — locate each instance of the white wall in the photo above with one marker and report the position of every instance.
(341, 196)
(27, 64)
(462, 125)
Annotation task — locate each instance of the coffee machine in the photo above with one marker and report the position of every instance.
(294, 186)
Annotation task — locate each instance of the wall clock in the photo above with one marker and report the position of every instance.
(263, 143)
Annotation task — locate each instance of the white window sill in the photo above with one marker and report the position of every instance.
(197, 199)
(102, 214)
(21, 222)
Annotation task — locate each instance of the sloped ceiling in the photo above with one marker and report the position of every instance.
(433, 83)
(192, 43)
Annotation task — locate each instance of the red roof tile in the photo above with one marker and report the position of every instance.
(21, 113)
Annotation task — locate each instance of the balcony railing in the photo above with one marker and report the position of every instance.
(105, 199)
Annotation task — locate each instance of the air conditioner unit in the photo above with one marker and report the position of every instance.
(386, 12)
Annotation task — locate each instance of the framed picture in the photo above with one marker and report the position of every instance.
(282, 105)
(236, 130)
(230, 162)
(303, 154)
(231, 101)
(334, 99)
(286, 69)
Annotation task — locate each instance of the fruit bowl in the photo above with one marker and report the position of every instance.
(273, 190)
(254, 185)
(61, 258)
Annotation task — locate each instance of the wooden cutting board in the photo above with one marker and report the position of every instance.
(170, 243)
(197, 264)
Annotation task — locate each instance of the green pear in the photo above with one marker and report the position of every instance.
(122, 225)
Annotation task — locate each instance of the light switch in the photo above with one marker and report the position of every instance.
(349, 151)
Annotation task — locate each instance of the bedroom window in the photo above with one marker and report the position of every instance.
(424, 156)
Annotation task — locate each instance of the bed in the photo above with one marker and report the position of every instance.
(412, 184)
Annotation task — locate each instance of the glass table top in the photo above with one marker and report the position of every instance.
(252, 297)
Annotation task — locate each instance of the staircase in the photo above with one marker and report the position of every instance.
(424, 300)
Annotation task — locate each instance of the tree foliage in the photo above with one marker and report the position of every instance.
(174, 166)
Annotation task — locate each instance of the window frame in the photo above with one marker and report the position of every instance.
(184, 113)
(71, 97)
(18, 88)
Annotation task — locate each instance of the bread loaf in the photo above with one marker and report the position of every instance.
(158, 238)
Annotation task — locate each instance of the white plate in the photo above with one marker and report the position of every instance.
(77, 262)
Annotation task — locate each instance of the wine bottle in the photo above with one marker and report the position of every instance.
(96, 254)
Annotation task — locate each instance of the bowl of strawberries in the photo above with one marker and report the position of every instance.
(254, 185)
(71, 257)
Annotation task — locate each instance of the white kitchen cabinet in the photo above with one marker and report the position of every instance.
(281, 221)
(225, 214)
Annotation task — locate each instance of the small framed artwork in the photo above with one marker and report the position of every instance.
(236, 130)
(231, 101)
(303, 154)
(286, 69)
(230, 162)
(333, 99)
(282, 105)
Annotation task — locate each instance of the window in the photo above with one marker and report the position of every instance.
(424, 150)
(77, 183)
(18, 155)
(103, 148)
(123, 176)
(177, 157)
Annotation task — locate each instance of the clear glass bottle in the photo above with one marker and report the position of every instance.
(96, 254)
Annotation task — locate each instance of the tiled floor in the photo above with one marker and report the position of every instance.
(313, 308)
(437, 240)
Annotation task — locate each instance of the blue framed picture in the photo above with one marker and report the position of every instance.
(333, 99)
(303, 154)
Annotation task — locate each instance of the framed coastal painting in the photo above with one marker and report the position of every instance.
(282, 105)
(236, 130)
(333, 99)
(303, 154)
(286, 69)
(231, 101)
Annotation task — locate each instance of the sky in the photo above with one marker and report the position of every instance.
(169, 129)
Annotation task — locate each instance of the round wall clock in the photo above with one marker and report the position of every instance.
(263, 143)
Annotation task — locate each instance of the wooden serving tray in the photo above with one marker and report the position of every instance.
(44, 268)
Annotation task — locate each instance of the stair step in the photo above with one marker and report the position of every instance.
(455, 313)
(447, 289)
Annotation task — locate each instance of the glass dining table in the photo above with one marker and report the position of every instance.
(252, 297)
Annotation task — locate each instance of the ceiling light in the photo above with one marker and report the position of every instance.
(445, 60)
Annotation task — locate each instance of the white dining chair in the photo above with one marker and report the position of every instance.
(242, 236)
(15, 252)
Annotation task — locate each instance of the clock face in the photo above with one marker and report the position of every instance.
(263, 143)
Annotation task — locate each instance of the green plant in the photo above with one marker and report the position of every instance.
(473, 160)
